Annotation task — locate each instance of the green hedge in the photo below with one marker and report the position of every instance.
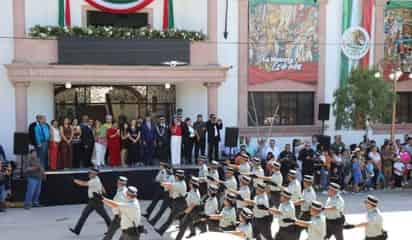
(113, 32)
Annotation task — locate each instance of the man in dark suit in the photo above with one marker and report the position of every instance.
(32, 135)
(163, 140)
(213, 127)
(200, 128)
(87, 139)
(148, 134)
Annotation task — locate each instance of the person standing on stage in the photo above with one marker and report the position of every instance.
(42, 138)
(177, 191)
(100, 144)
(133, 155)
(176, 131)
(159, 192)
(213, 127)
(55, 139)
(200, 144)
(149, 137)
(163, 140)
(95, 188)
(119, 197)
(374, 221)
(189, 138)
(65, 146)
(295, 189)
(129, 211)
(77, 148)
(334, 213)
(113, 144)
(87, 139)
(192, 211)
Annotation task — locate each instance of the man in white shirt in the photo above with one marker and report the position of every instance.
(95, 188)
(272, 148)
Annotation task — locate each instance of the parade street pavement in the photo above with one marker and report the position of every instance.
(51, 223)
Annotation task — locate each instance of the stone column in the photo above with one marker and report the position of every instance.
(379, 34)
(212, 95)
(243, 63)
(212, 20)
(19, 18)
(20, 89)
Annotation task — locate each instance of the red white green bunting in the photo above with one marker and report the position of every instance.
(119, 6)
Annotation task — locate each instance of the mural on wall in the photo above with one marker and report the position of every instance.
(398, 37)
(283, 42)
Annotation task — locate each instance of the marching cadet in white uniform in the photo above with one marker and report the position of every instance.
(95, 188)
(120, 196)
(177, 190)
(192, 211)
(317, 225)
(286, 210)
(130, 214)
(211, 208)
(245, 229)
(257, 171)
(275, 184)
(159, 193)
(308, 196)
(295, 189)
(374, 224)
(334, 212)
(227, 217)
(263, 219)
(244, 167)
(213, 173)
(203, 172)
(244, 191)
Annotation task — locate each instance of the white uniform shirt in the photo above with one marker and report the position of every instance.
(247, 229)
(193, 198)
(258, 171)
(287, 210)
(337, 202)
(278, 179)
(119, 197)
(178, 190)
(161, 176)
(375, 223)
(130, 214)
(244, 168)
(317, 228)
(244, 191)
(231, 183)
(211, 206)
(203, 172)
(309, 196)
(214, 174)
(261, 199)
(94, 186)
(296, 190)
(228, 217)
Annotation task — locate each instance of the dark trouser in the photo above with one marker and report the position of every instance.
(212, 225)
(381, 237)
(87, 154)
(203, 189)
(159, 195)
(263, 227)
(213, 150)
(188, 150)
(228, 228)
(297, 211)
(286, 233)
(77, 149)
(178, 205)
(149, 149)
(163, 151)
(334, 228)
(200, 146)
(165, 204)
(113, 227)
(274, 198)
(187, 221)
(42, 153)
(398, 181)
(92, 205)
(129, 235)
(305, 216)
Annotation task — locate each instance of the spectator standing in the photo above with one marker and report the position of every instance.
(356, 170)
(287, 162)
(32, 134)
(176, 131)
(200, 143)
(388, 154)
(376, 158)
(100, 145)
(189, 138)
(133, 152)
(34, 173)
(76, 143)
(306, 156)
(148, 135)
(65, 146)
(214, 126)
(163, 140)
(113, 145)
(408, 145)
(338, 144)
(42, 138)
(398, 171)
(250, 148)
(406, 160)
(124, 137)
(54, 145)
(87, 139)
(370, 174)
(272, 148)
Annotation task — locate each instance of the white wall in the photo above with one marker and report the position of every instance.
(40, 101)
(190, 14)
(228, 51)
(44, 12)
(7, 112)
(192, 98)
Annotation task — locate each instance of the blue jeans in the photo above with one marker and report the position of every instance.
(32, 191)
(42, 154)
(324, 178)
(2, 192)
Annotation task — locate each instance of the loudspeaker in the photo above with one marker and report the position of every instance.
(323, 114)
(324, 141)
(21, 143)
(231, 136)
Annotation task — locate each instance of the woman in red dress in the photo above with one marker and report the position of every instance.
(113, 145)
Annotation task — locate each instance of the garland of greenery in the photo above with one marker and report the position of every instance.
(113, 32)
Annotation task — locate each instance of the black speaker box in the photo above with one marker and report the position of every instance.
(231, 136)
(324, 141)
(323, 114)
(21, 143)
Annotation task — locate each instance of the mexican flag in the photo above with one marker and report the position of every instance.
(168, 16)
(64, 13)
(119, 6)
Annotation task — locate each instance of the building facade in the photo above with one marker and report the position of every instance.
(279, 61)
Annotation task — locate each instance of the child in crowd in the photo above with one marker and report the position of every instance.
(406, 160)
(370, 174)
(398, 170)
(356, 173)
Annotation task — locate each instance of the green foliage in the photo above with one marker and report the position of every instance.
(364, 97)
(114, 32)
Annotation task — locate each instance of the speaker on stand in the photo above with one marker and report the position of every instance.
(21, 147)
(231, 138)
(323, 114)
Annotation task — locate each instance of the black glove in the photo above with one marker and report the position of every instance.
(141, 229)
(223, 164)
(223, 186)
(253, 175)
(271, 183)
(289, 220)
(262, 207)
(348, 226)
(210, 178)
(203, 215)
(239, 197)
(98, 196)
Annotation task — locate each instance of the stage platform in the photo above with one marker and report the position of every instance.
(59, 189)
